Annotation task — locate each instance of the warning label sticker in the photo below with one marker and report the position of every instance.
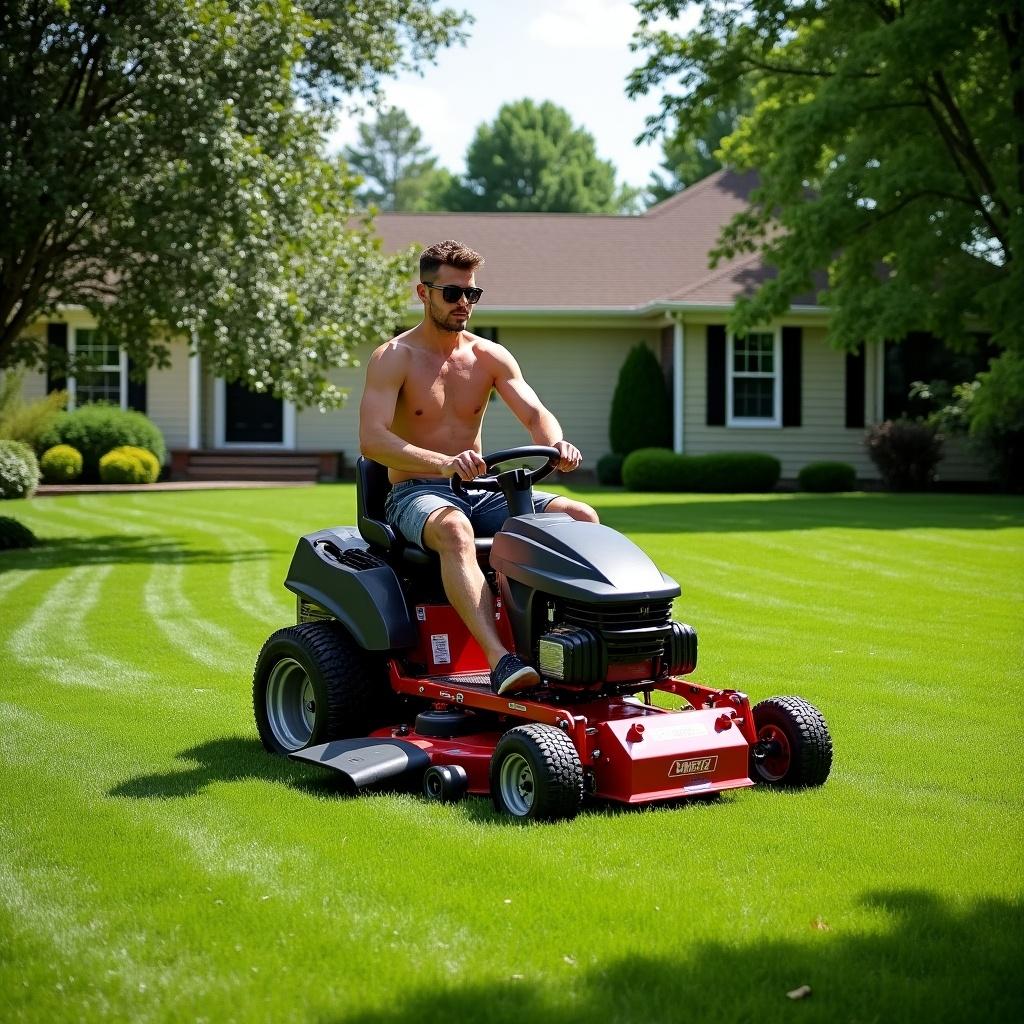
(421, 613)
(439, 643)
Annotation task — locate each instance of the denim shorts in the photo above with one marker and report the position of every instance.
(410, 503)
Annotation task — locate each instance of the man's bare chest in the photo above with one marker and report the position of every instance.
(435, 388)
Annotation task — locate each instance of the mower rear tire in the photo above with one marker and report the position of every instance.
(313, 683)
(536, 774)
(796, 748)
(445, 783)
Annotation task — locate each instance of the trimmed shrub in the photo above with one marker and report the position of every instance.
(15, 535)
(660, 469)
(652, 469)
(641, 414)
(827, 477)
(734, 472)
(61, 464)
(31, 421)
(129, 465)
(906, 453)
(609, 469)
(100, 428)
(19, 470)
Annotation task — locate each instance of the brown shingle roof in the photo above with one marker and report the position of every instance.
(581, 261)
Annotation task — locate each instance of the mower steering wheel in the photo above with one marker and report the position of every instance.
(530, 477)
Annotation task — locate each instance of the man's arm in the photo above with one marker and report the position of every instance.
(530, 410)
(385, 373)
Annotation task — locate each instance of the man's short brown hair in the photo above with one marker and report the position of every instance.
(447, 253)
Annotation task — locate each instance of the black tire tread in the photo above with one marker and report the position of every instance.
(809, 738)
(559, 791)
(355, 685)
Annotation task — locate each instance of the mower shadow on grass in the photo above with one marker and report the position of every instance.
(120, 549)
(926, 960)
(810, 512)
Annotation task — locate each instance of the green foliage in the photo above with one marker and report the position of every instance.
(61, 464)
(533, 159)
(641, 413)
(27, 421)
(178, 149)
(906, 453)
(994, 410)
(884, 134)
(691, 150)
(129, 465)
(827, 477)
(19, 470)
(609, 469)
(15, 535)
(660, 469)
(399, 172)
(97, 429)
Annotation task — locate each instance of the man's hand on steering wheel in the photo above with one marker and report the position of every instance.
(570, 456)
(468, 465)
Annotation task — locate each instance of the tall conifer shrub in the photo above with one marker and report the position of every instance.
(641, 414)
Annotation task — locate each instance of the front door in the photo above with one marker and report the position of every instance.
(251, 418)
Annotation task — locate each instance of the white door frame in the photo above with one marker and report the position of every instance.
(219, 424)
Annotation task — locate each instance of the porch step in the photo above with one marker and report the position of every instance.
(256, 464)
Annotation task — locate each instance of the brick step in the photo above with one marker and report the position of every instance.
(251, 473)
(255, 464)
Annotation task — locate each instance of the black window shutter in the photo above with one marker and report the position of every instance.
(855, 365)
(57, 343)
(792, 376)
(716, 376)
(136, 390)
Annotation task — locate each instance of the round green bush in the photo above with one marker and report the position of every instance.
(827, 477)
(735, 472)
(61, 464)
(609, 469)
(129, 465)
(652, 469)
(660, 469)
(19, 470)
(99, 428)
(15, 535)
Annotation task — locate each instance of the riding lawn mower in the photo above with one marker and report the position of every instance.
(381, 681)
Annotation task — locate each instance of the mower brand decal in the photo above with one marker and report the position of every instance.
(421, 613)
(516, 707)
(695, 766)
(439, 645)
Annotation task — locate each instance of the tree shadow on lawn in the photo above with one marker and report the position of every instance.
(809, 512)
(926, 961)
(120, 549)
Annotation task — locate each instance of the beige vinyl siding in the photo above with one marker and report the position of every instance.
(33, 384)
(823, 434)
(167, 396)
(574, 372)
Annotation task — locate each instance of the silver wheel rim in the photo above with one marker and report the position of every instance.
(291, 704)
(516, 784)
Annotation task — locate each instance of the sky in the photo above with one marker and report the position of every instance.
(573, 52)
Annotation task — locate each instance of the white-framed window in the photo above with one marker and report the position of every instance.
(103, 370)
(754, 379)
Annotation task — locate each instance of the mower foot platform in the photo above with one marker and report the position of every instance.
(368, 760)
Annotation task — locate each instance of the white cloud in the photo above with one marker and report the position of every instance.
(584, 24)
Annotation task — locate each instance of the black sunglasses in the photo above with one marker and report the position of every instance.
(451, 293)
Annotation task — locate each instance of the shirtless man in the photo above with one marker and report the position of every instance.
(421, 416)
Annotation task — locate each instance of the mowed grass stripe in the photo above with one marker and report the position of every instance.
(188, 844)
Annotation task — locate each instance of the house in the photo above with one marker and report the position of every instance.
(569, 295)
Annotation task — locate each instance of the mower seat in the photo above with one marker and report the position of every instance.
(372, 486)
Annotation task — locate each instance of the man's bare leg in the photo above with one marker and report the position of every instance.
(448, 532)
(577, 509)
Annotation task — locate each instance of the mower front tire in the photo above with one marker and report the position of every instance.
(313, 683)
(794, 748)
(536, 774)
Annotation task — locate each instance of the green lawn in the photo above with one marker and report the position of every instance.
(158, 865)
